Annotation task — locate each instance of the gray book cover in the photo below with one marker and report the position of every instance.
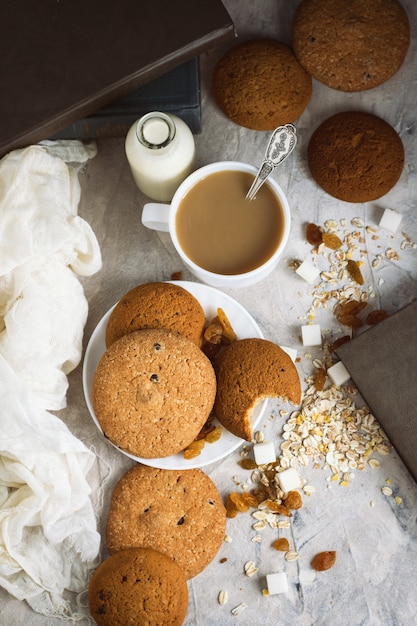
(382, 362)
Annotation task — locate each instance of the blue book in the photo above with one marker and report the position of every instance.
(176, 92)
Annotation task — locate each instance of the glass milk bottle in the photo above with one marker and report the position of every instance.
(160, 150)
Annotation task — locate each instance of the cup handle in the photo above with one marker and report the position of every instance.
(156, 216)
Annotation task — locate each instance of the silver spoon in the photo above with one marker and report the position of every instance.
(281, 144)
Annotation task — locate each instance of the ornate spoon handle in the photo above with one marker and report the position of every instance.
(280, 146)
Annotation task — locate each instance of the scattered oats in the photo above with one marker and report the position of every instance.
(259, 525)
(392, 255)
(377, 260)
(357, 222)
(372, 503)
(331, 224)
(398, 500)
(265, 592)
(223, 597)
(387, 491)
(239, 608)
(272, 520)
(228, 539)
(283, 524)
(407, 242)
(309, 489)
(250, 568)
(374, 463)
(344, 483)
(260, 515)
(255, 476)
(329, 277)
(371, 229)
(259, 436)
(291, 555)
(257, 539)
(328, 429)
(383, 449)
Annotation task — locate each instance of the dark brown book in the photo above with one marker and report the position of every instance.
(382, 362)
(63, 60)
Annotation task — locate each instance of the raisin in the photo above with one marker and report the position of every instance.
(231, 510)
(293, 500)
(350, 320)
(338, 342)
(250, 499)
(194, 449)
(228, 333)
(332, 241)
(213, 332)
(239, 502)
(324, 560)
(320, 379)
(314, 234)
(248, 464)
(347, 313)
(214, 434)
(275, 507)
(374, 317)
(354, 271)
(281, 544)
(351, 307)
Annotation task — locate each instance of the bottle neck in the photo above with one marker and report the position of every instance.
(155, 131)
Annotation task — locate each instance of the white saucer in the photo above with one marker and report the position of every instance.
(244, 326)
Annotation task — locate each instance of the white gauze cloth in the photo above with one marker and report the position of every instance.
(44, 244)
(48, 537)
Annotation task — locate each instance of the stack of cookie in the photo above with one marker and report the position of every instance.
(163, 528)
(153, 375)
(153, 390)
(349, 46)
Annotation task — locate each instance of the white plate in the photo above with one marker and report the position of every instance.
(244, 326)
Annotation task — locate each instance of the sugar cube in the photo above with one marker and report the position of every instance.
(338, 373)
(308, 271)
(264, 453)
(292, 352)
(289, 479)
(390, 220)
(277, 583)
(311, 335)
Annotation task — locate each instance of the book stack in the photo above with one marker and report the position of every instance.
(63, 61)
(176, 92)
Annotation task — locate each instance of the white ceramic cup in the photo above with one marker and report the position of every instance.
(161, 217)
